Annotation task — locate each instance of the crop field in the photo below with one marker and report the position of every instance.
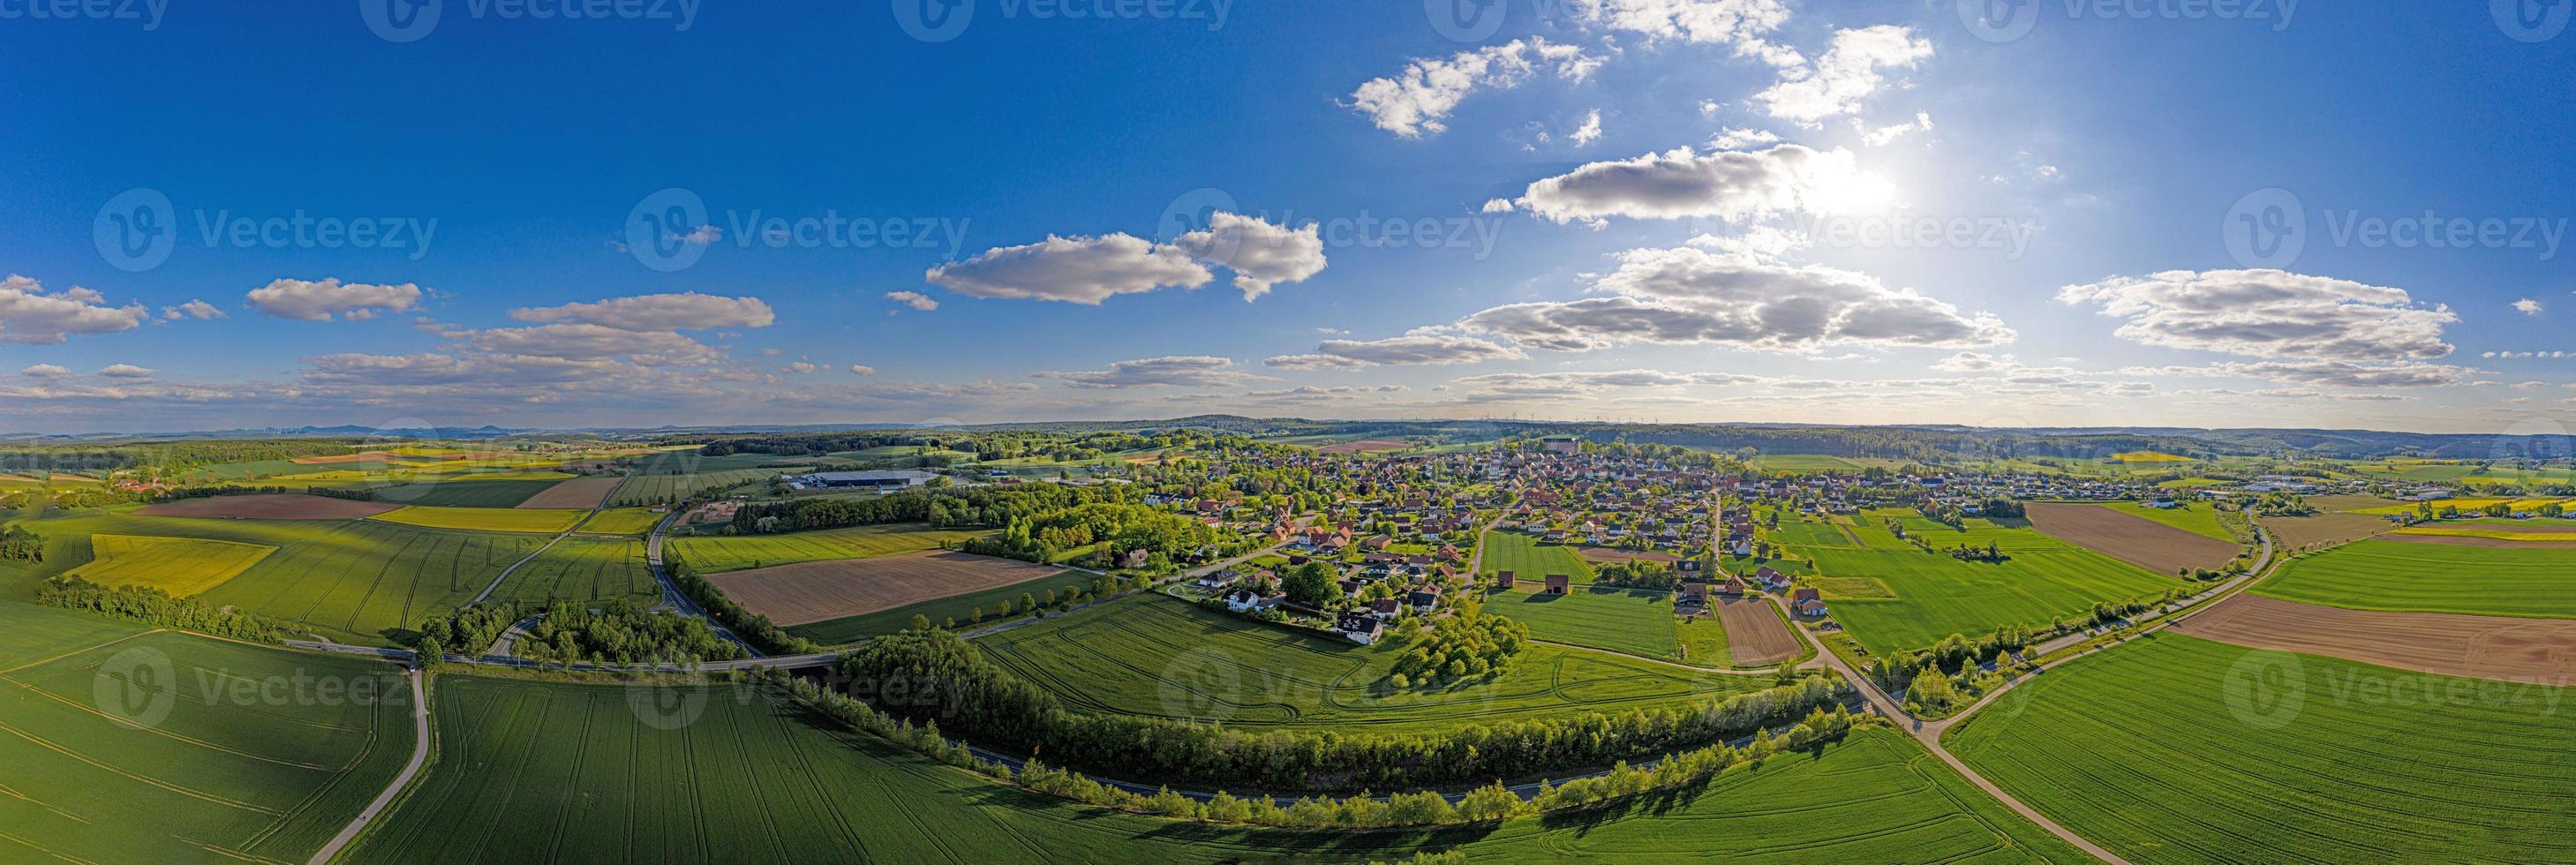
(1937, 595)
(209, 775)
(1158, 656)
(621, 521)
(583, 569)
(1804, 463)
(821, 591)
(2288, 758)
(467, 491)
(1756, 633)
(716, 554)
(2479, 647)
(2155, 545)
(960, 607)
(483, 519)
(180, 566)
(1621, 620)
(2510, 534)
(646, 489)
(1531, 561)
(2196, 518)
(2464, 504)
(269, 507)
(2433, 578)
(578, 494)
(2151, 457)
(1364, 446)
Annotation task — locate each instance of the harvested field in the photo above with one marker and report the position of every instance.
(2478, 647)
(2484, 540)
(578, 493)
(2294, 532)
(2143, 542)
(1364, 446)
(270, 507)
(1606, 555)
(815, 591)
(1755, 634)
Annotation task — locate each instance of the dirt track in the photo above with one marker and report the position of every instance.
(270, 507)
(576, 494)
(2480, 647)
(1754, 633)
(2139, 541)
(821, 591)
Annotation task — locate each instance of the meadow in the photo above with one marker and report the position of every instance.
(1154, 655)
(1936, 595)
(621, 521)
(180, 566)
(1621, 620)
(2403, 576)
(647, 489)
(544, 522)
(2293, 758)
(1529, 560)
(213, 775)
(2196, 518)
(715, 554)
(619, 788)
(585, 570)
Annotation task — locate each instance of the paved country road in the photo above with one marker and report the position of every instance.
(419, 755)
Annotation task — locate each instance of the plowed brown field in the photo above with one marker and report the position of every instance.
(1754, 633)
(2480, 647)
(270, 507)
(819, 591)
(2143, 542)
(576, 494)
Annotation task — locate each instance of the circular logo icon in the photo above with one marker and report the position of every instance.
(1465, 20)
(2530, 20)
(136, 230)
(1195, 211)
(137, 686)
(1200, 685)
(400, 21)
(668, 231)
(2535, 438)
(2267, 228)
(668, 707)
(1999, 20)
(2265, 690)
(934, 21)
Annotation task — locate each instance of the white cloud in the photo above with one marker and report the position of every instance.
(29, 315)
(1589, 132)
(1260, 254)
(1416, 348)
(125, 370)
(918, 301)
(1732, 138)
(312, 300)
(1574, 383)
(2331, 373)
(1849, 72)
(435, 368)
(44, 370)
(1684, 295)
(196, 309)
(1739, 23)
(2269, 313)
(2527, 306)
(1084, 270)
(1733, 185)
(1418, 99)
(650, 312)
(862, 369)
(593, 342)
(1880, 136)
(1174, 371)
(804, 368)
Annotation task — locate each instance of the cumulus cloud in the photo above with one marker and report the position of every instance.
(804, 368)
(1409, 349)
(44, 370)
(124, 370)
(2527, 306)
(30, 315)
(918, 301)
(1733, 185)
(196, 309)
(1089, 270)
(1260, 254)
(2269, 313)
(1686, 295)
(1853, 69)
(1578, 383)
(1418, 99)
(1742, 24)
(1589, 132)
(648, 312)
(593, 342)
(322, 300)
(862, 369)
(1880, 136)
(437, 368)
(1173, 371)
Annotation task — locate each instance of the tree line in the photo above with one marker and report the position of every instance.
(154, 606)
(17, 544)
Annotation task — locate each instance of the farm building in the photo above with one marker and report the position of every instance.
(1504, 580)
(1558, 584)
(881, 480)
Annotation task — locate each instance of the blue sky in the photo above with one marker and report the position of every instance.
(1675, 210)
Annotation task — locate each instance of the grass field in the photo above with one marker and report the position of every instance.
(1157, 656)
(2197, 519)
(569, 773)
(2533, 534)
(143, 750)
(467, 491)
(1620, 620)
(2433, 578)
(1937, 595)
(718, 554)
(583, 569)
(180, 566)
(1531, 561)
(2150, 457)
(959, 607)
(2286, 758)
(621, 521)
(649, 488)
(544, 522)
(1803, 463)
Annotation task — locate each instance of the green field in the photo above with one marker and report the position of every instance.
(1937, 595)
(180, 566)
(1531, 561)
(467, 491)
(568, 773)
(649, 488)
(717, 554)
(2433, 578)
(2198, 519)
(583, 569)
(1620, 620)
(2174, 749)
(2150, 457)
(544, 522)
(145, 749)
(621, 521)
(959, 607)
(1158, 656)
(1804, 463)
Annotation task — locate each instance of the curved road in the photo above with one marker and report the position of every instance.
(419, 755)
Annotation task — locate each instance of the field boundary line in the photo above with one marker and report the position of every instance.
(156, 782)
(80, 651)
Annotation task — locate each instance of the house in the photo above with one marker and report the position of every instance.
(1695, 593)
(1219, 580)
(1353, 588)
(1134, 558)
(1733, 586)
(1558, 584)
(1771, 578)
(1808, 602)
(1385, 608)
(1246, 601)
(1359, 628)
(1503, 579)
(1423, 599)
